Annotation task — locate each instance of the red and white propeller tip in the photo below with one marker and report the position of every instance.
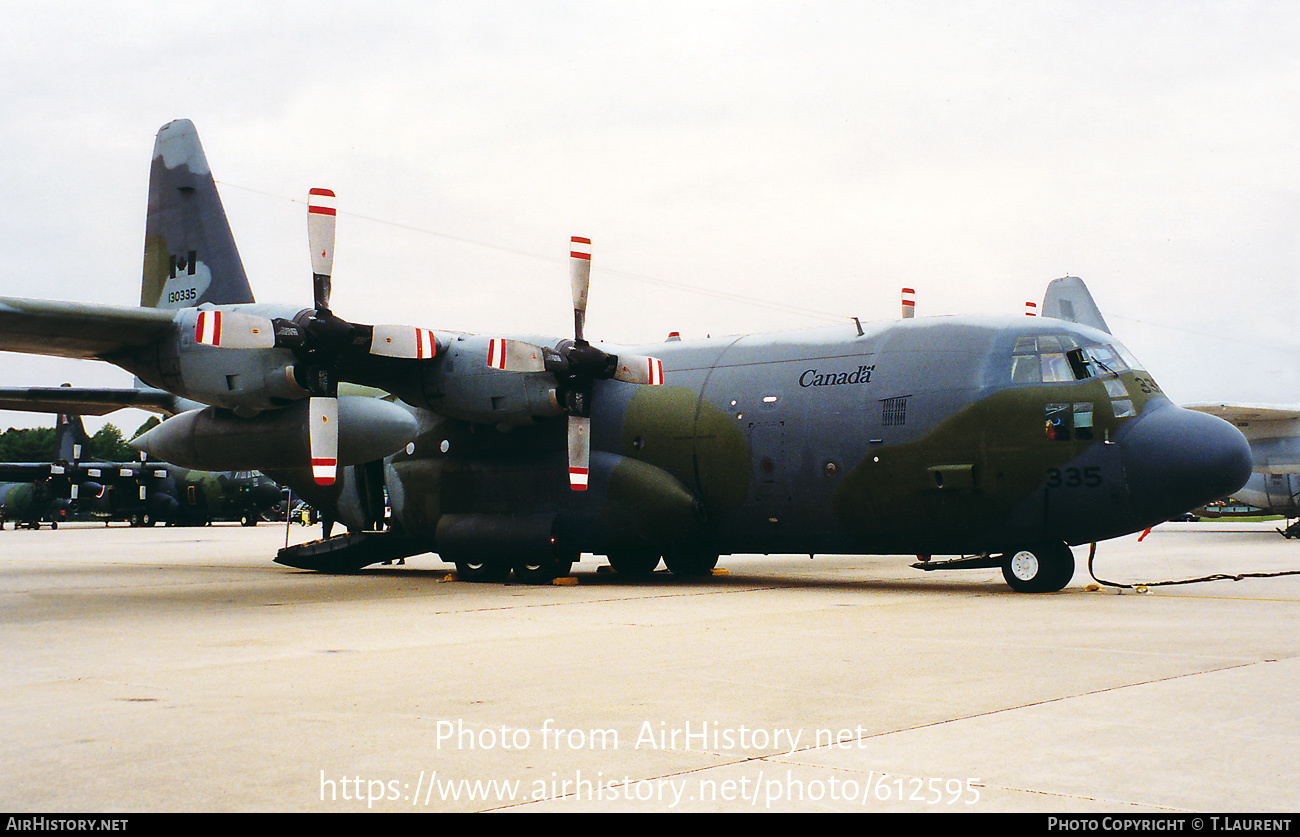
(579, 280)
(636, 369)
(514, 356)
(403, 341)
(323, 438)
(233, 330)
(579, 452)
(321, 221)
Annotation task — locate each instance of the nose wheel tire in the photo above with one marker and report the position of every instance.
(1039, 568)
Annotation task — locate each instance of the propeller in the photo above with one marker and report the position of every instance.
(323, 343)
(576, 365)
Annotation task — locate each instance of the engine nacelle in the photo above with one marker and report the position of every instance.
(463, 386)
(243, 379)
(213, 439)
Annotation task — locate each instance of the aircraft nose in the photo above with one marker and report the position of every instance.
(1176, 460)
(266, 494)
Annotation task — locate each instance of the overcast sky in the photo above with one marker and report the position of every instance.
(793, 163)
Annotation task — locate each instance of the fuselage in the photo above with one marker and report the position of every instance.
(948, 435)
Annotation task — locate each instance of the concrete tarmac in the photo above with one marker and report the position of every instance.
(181, 670)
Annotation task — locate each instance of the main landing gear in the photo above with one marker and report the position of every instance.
(634, 563)
(539, 570)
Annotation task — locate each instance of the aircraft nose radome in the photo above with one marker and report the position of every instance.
(1176, 460)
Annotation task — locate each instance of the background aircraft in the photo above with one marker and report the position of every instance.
(1273, 430)
(144, 493)
(1274, 435)
(1002, 439)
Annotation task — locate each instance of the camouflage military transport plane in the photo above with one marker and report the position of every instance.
(1003, 440)
(144, 493)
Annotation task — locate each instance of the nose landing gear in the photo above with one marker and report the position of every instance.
(1039, 568)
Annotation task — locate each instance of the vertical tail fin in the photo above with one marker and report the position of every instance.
(189, 252)
(69, 431)
(1068, 298)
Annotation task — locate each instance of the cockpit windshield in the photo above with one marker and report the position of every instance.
(1047, 358)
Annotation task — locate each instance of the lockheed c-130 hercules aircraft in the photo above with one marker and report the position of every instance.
(1001, 439)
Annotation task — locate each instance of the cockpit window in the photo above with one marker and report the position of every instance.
(1056, 367)
(1050, 358)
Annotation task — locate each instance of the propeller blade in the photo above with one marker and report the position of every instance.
(234, 330)
(515, 356)
(638, 369)
(909, 303)
(321, 219)
(323, 436)
(579, 280)
(579, 451)
(403, 341)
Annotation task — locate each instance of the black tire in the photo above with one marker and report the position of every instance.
(542, 570)
(634, 563)
(1038, 568)
(691, 561)
(483, 572)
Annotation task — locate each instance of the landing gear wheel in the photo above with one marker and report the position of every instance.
(1039, 568)
(691, 560)
(543, 570)
(634, 563)
(485, 572)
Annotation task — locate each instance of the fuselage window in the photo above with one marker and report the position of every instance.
(1058, 422)
(1083, 420)
(1064, 422)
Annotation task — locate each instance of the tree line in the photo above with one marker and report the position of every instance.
(37, 444)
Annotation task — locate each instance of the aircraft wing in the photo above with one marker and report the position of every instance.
(1239, 413)
(24, 471)
(81, 330)
(85, 401)
(1271, 429)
